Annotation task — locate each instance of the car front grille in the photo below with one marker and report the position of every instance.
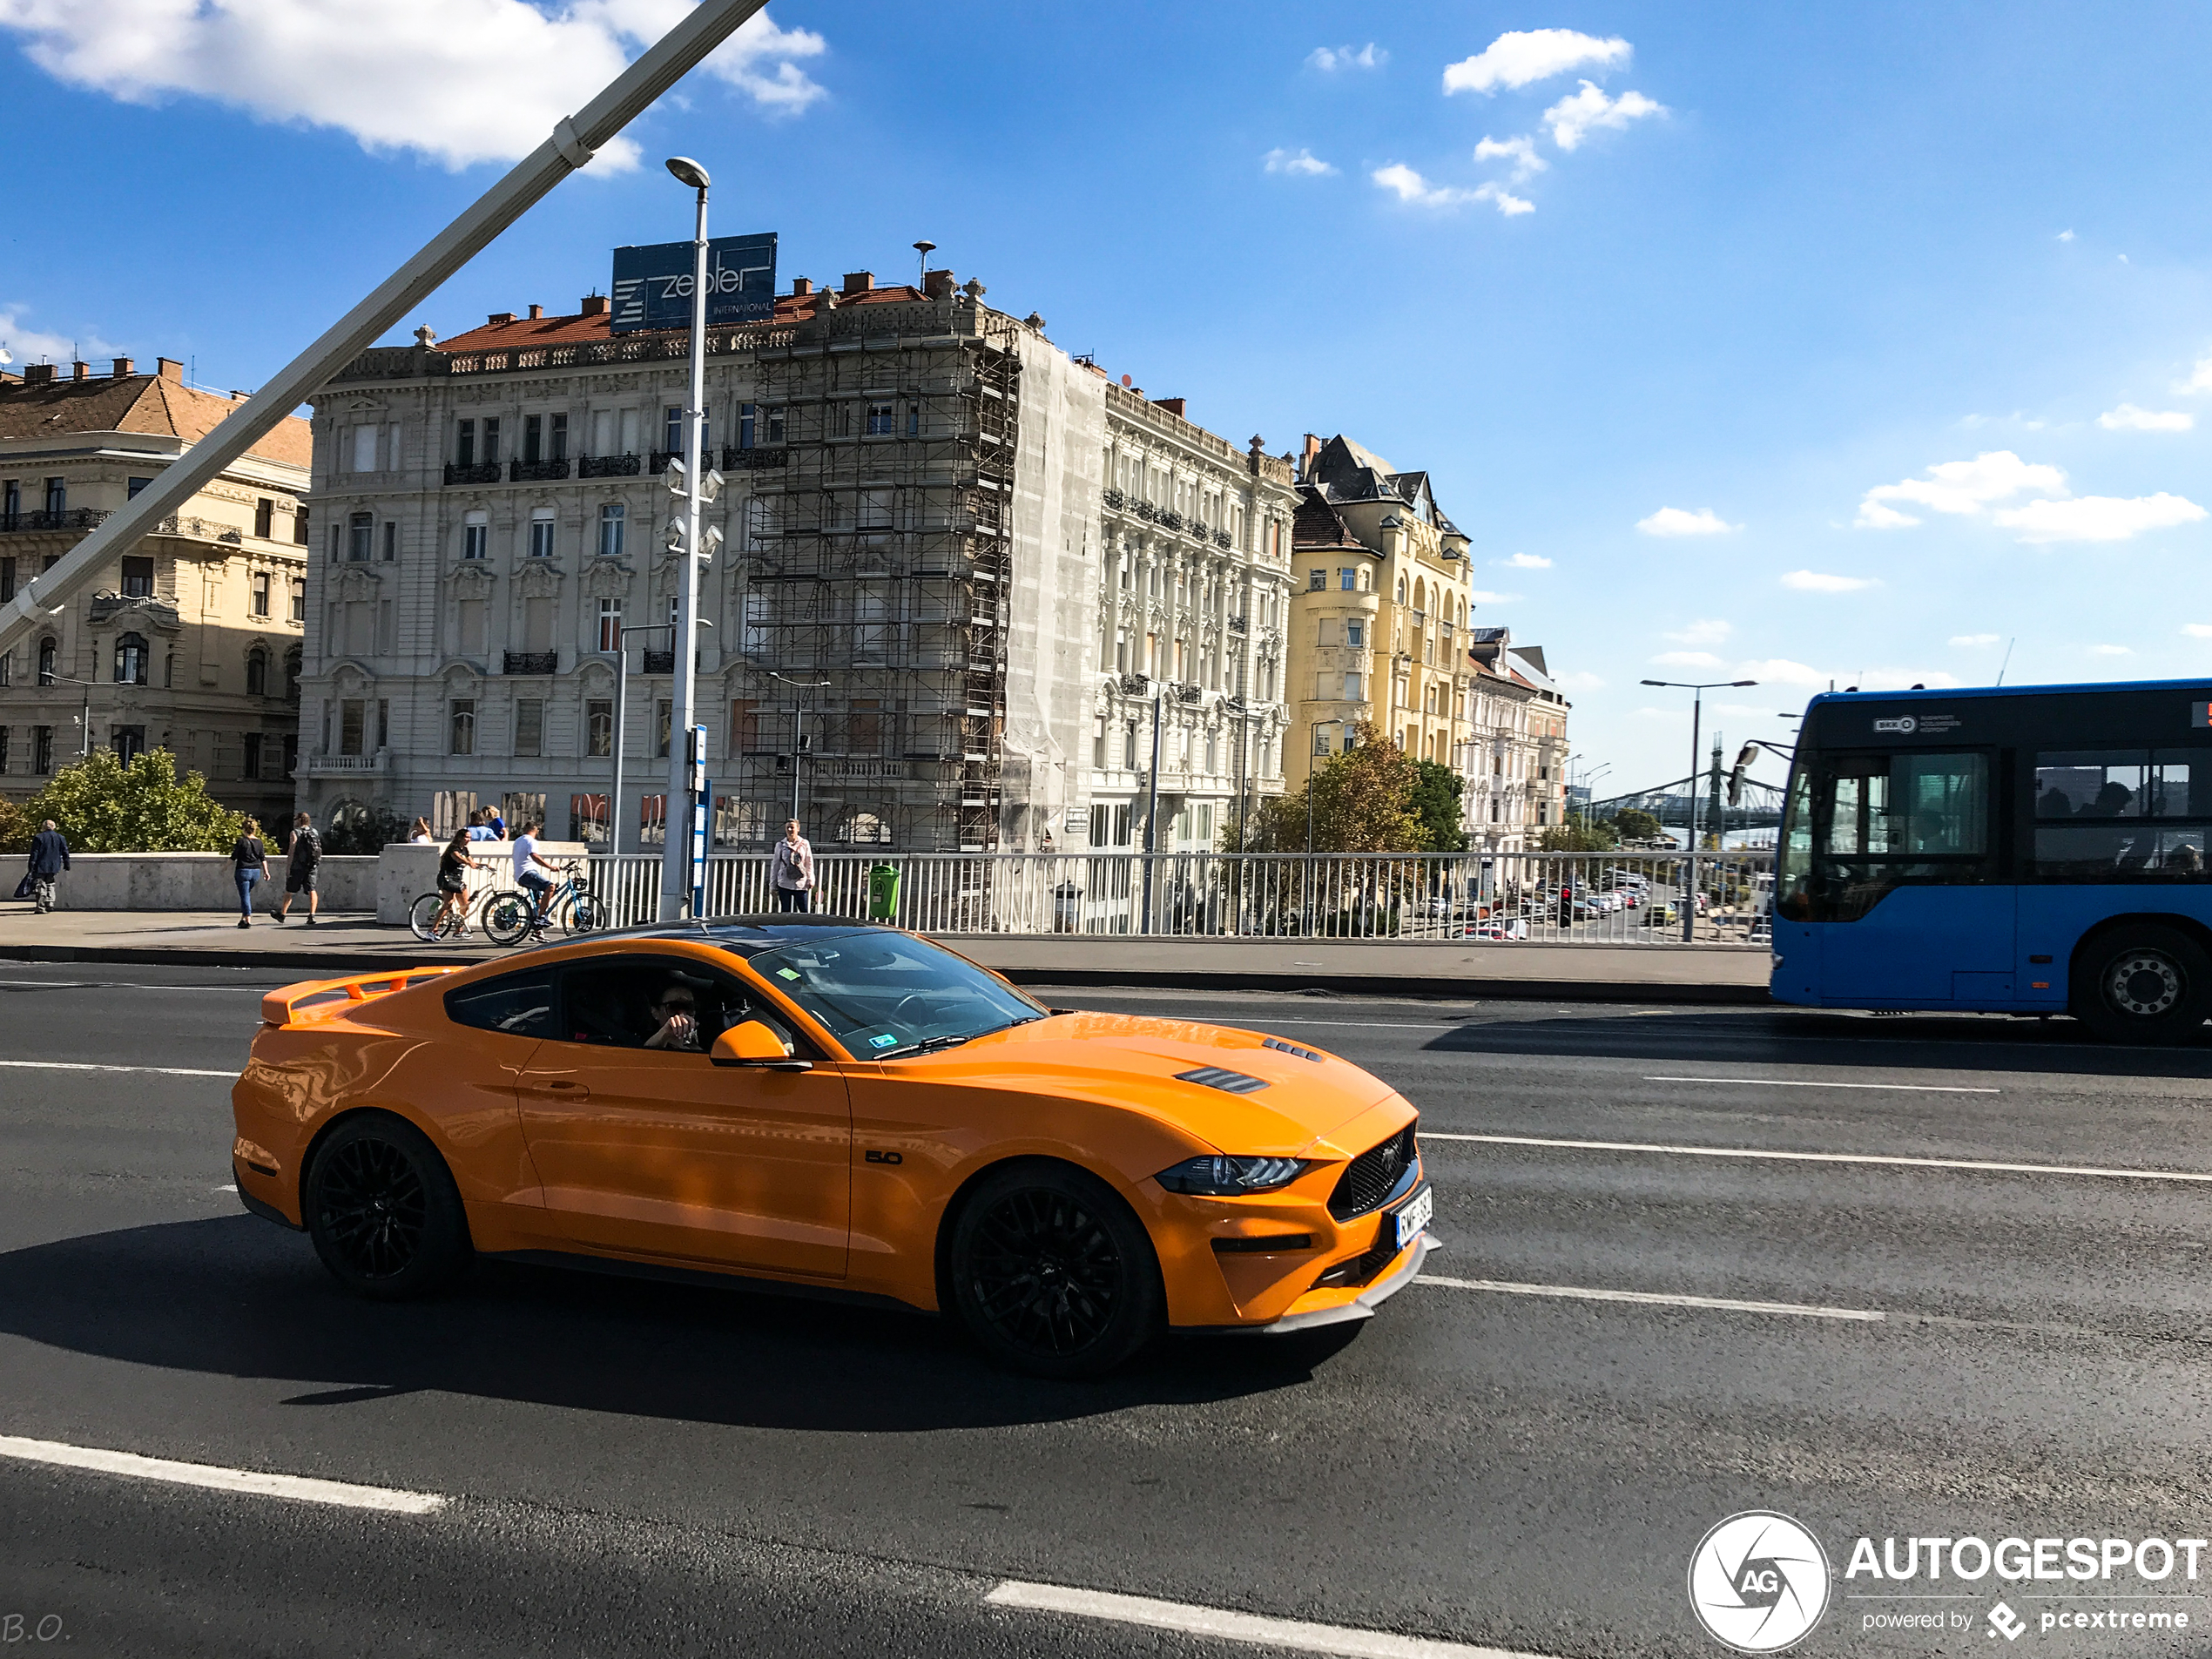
(1377, 1176)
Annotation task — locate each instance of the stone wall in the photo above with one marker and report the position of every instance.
(200, 882)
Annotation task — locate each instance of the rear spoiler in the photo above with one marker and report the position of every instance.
(316, 998)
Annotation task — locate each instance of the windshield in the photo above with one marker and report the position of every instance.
(885, 994)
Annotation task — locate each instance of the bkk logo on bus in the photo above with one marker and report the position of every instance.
(1904, 723)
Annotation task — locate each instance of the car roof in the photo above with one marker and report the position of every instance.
(739, 935)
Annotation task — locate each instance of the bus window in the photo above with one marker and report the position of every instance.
(2106, 815)
(1882, 821)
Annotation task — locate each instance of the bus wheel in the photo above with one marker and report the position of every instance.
(2145, 984)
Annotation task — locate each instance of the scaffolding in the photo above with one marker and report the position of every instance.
(879, 555)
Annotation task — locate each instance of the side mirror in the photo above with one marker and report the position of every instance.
(751, 1043)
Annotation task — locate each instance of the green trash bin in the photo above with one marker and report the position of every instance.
(883, 892)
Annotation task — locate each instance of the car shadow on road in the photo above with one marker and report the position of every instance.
(1811, 1037)
(236, 1297)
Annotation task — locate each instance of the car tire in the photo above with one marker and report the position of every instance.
(2143, 983)
(1052, 1273)
(383, 1212)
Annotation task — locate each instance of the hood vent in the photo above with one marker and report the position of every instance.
(1234, 1082)
(1281, 1047)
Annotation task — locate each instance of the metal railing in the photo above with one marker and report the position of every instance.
(1615, 898)
(69, 518)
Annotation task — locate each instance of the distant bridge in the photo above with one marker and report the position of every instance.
(1669, 804)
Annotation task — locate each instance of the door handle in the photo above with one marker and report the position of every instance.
(564, 1088)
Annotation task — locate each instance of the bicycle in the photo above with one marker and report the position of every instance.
(513, 916)
(431, 921)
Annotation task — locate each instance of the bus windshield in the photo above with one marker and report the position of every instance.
(1858, 826)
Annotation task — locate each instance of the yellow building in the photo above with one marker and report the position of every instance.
(191, 641)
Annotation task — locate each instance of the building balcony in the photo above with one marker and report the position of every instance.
(72, 518)
(349, 766)
(755, 459)
(479, 472)
(1237, 624)
(608, 466)
(536, 472)
(531, 662)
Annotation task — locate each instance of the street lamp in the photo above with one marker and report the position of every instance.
(84, 742)
(676, 849)
(798, 729)
(1697, 708)
(622, 707)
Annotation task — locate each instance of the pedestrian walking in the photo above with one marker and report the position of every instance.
(49, 858)
(420, 835)
(304, 853)
(792, 870)
(250, 866)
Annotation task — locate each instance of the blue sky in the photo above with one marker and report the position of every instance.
(1779, 277)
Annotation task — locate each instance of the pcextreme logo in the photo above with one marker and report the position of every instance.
(1758, 1581)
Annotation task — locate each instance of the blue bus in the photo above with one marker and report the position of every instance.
(2033, 851)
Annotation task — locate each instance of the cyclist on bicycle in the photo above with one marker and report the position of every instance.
(452, 886)
(532, 881)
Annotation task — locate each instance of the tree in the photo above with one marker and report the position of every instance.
(16, 827)
(1581, 834)
(1637, 825)
(103, 806)
(1362, 802)
(1436, 795)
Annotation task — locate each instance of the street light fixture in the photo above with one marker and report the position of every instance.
(1696, 709)
(677, 848)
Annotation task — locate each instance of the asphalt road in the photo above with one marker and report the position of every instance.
(1879, 1348)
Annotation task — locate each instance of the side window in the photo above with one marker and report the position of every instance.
(2119, 815)
(652, 1002)
(519, 1004)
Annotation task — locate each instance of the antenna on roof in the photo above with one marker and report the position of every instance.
(925, 249)
(2007, 663)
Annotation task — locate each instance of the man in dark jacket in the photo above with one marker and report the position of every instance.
(305, 854)
(49, 858)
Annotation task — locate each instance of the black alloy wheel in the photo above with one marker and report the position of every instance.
(2143, 983)
(1052, 1274)
(382, 1210)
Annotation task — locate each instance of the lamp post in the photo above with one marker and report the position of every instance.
(1697, 708)
(799, 730)
(85, 722)
(676, 848)
(622, 707)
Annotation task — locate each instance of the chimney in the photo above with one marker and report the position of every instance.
(858, 281)
(1305, 462)
(801, 286)
(124, 368)
(38, 373)
(937, 285)
(1172, 405)
(537, 311)
(80, 371)
(594, 305)
(500, 316)
(170, 369)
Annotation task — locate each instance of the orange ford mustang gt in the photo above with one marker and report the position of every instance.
(838, 1107)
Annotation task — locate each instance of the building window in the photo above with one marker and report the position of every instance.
(611, 524)
(57, 494)
(914, 420)
(533, 439)
(879, 420)
(364, 449)
(1098, 745)
(391, 541)
(41, 749)
(529, 725)
(262, 593)
(10, 504)
(841, 420)
(361, 530)
(7, 580)
(541, 533)
(298, 599)
(264, 517)
(46, 668)
(462, 738)
(1320, 740)
(464, 443)
(558, 437)
(130, 660)
(660, 745)
(253, 754)
(4, 748)
(610, 624)
(257, 673)
(1317, 581)
(475, 536)
(864, 829)
(773, 421)
(491, 456)
(128, 741)
(351, 714)
(674, 431)
(300, 524)
(745, 726)
(745, 425)
(599, 727)
(138, 579)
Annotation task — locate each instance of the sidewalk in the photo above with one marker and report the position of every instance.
(354, 944)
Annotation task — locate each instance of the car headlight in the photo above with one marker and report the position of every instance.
(1223, 1178)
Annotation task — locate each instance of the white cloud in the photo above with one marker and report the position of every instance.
(1581, 679)
(2128, 418)
(1959, 487)
(2065, 236)
(29, 345)
(1780, 671)
(2200, 378)
(1573, 118)
(1528, 561)
(2099, 518)
(460, 81)
(1411, 187)
(1304, 164)
(1975, 640)
(1679, 520)
(2112, 650)
(1524, 56)
(2197, 629)
(1521, 152)
(1821, 582)
(1483, 596)
(1688, 659)
(1331, 59)
(1709, 631)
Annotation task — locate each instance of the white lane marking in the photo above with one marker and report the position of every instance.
(341, 1492)
(120, 984)
(78, 1065)
(228, 1186)
(1797, 1082)
(1725, 1304)
(1296, 1634)
(1983, 1165)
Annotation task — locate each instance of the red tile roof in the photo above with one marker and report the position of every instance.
(553, 331)
(139, 403)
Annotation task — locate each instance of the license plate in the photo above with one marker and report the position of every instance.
(1413, 1218)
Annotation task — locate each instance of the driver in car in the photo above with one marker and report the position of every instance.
(677, 1012)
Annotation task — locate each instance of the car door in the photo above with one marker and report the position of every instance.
(659, 1152)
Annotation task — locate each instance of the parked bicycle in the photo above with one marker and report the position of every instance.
(431, 918)
(512, 916)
